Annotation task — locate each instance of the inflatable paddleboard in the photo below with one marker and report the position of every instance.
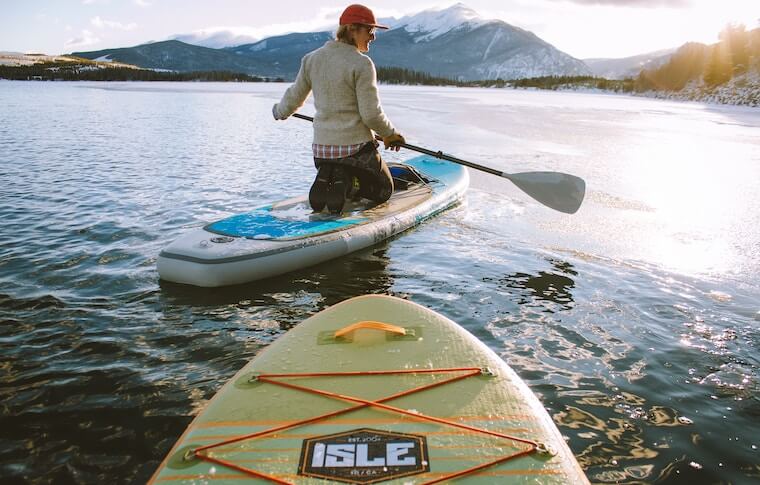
(373, 389)
(286, 236)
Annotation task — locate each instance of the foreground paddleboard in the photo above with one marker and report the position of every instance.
(287, 236)
(373, 389)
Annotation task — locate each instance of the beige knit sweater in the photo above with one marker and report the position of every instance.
(347, 104)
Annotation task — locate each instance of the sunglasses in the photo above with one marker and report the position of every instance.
(370, 30)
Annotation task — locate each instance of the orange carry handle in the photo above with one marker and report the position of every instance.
(371, 324)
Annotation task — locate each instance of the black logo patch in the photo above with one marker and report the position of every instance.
(364, 456)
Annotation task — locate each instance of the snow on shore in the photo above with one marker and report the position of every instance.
(742, 90)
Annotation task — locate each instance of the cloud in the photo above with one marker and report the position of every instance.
(87, 38)
(225, 36)
(633, 3)
(110, 24)
(142, 3)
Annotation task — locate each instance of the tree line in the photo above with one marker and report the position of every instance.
(76, 71)
(737, 51)
(399, 75)
(562, 82)
(73, 71)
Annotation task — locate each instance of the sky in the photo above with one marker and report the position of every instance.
(581, 28)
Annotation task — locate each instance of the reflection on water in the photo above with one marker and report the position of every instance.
(552, 287)
(115, 391)
(310, 290)
(628, 391)
(635, 320)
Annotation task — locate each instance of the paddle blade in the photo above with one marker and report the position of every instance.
(560, 191)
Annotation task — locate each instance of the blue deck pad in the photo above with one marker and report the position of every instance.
(262, 223)
(299, 221)
(444, 172)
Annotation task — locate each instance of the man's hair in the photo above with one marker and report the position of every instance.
(345, 33)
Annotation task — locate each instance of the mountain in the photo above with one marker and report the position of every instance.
(628, 67)
(457, 43)
(216, 39)
(686, 64)
(280, 56)
(175, 56)
(454, 42)
(432, 23)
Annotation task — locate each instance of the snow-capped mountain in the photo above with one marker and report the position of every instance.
(458, 43)
(217, 39)
(453, 42)
(432, 23)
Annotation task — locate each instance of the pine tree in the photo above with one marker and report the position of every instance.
(754, 47)
(719, 67)
(736, 39)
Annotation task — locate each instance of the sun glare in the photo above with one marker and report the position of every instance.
(693, 184)
(626, 31)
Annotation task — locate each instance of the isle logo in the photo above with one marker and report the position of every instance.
(364, 456)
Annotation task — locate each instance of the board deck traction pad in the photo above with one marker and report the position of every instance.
(266, 223)
(281, 380)
(474, 418)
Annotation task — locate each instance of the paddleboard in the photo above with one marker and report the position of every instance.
(373, 389)
(287, 235)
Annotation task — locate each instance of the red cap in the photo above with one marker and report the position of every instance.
(359, 14)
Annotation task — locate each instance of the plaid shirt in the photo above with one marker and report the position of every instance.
(332, 152)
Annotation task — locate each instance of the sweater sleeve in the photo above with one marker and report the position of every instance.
(295, 95)
(368, 100)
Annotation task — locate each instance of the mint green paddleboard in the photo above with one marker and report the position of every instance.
(374, 389)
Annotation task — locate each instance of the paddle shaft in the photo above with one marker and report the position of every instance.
(559, 191)
(439, 154)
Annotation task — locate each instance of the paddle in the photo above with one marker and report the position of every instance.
(560, 191)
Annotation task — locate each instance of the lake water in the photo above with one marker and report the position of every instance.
(634, 320)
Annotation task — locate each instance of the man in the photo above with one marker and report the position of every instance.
(348, 111)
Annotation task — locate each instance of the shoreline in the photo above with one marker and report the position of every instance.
(744, 92)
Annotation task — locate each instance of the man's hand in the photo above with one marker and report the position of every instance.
(393, 141)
